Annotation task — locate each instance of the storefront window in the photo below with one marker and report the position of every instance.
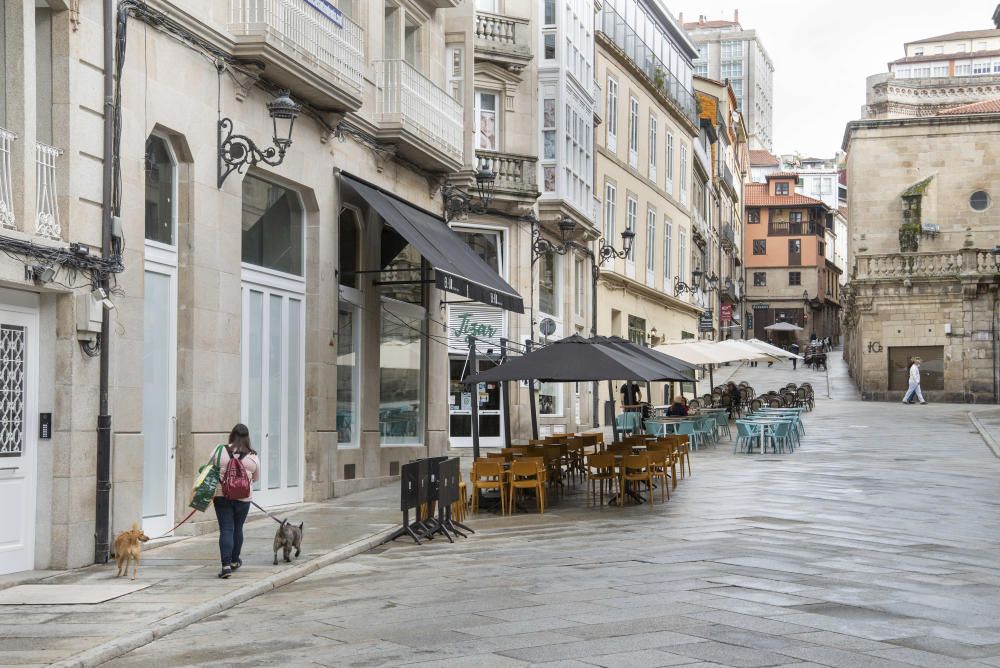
(547, 297)
(405, 266)
(272, 226)
(347, 374)
(400, 380)
(931, 367)
(349, 245)
(550, 399)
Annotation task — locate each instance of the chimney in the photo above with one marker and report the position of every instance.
(736, 16)
(680, 18)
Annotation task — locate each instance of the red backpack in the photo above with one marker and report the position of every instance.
(235, 479)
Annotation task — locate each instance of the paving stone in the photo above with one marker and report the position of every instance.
(731, 655)
(650, 658)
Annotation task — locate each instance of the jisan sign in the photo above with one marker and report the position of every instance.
(329, 11)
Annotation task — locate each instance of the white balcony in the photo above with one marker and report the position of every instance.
(423, 121)
(6, 192)
(314, 56)
(47, 207)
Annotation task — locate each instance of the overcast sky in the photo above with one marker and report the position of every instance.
(822, 51)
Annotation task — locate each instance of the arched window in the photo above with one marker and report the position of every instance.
(272, 226)
(161, 191)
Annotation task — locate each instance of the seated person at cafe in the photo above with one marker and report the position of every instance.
(635, 398)
(679, 407)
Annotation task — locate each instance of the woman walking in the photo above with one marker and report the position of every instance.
(914, 383)
(232, 513)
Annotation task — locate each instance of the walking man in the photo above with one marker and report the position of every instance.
(914, 383)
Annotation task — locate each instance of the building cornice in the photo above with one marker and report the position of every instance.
(921, 121)
(614, 280)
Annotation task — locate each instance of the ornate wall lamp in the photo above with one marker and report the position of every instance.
(457, 202)
(699, 283)
(238, 152)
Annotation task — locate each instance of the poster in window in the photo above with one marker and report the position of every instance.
(487, 130)
(549, 178)
(549, 113)
(550, 144)
(466, 401)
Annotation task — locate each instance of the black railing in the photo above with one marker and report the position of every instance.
(785, 228)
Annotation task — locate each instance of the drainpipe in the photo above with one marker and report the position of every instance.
(595, 272)
(102, 526)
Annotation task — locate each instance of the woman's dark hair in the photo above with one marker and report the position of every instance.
(239, 438)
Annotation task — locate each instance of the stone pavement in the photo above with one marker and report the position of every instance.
(183, 577)
(873, 545)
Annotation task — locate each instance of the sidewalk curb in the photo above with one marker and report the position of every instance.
(122, 645)
(991, 442)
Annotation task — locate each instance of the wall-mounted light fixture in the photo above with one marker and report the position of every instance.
(458, 202)
(239, 152)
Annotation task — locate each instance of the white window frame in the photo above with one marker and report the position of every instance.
(350, 299)
(580, 292)
(557, 288)
(456, 71)
(415, 311)
(684, 175)
(497, 121)
(651, 247)
(653, 147)
(612, 122)
(610, 211)
(670, 164)
(668, 264)
(633, 132)
(631, 223)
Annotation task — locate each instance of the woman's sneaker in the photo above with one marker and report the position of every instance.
(225, 572)
(236, 564)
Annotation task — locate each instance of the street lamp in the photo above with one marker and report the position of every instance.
(239, 152)
(680, 287)
(457, 202)
(541, 246)
(996, 256)
(608, 252)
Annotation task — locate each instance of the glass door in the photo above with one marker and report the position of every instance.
(460, 398)
(273, 390)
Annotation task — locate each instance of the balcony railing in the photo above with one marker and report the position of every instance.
(728, 236)
(655, 70)
(47, 207)
(943, 264)
(515, 173)
(504, 37)
(6, 192)
(312, 45)
(728, 178)
(407, 98)
(784, 228)
(702, 156)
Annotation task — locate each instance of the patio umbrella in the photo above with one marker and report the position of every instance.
(745, 351)
(578, 359)
(766, 347)
(783, 327)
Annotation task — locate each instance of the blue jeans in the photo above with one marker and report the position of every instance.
(231, 515)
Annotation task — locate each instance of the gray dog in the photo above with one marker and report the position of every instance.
(285, 538)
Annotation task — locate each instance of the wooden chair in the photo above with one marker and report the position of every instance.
(636, 469)
(527, 475)
(460, 507)
(487, 475)
(659, 463)
(601, 470)
(669, 446)
(682, 450)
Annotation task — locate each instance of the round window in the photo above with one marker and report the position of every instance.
(980, 200)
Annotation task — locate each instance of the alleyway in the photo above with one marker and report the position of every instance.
(873, 545)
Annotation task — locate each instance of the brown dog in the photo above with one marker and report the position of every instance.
(128, 547)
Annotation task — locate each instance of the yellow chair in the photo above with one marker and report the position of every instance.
(636, 469)
(459, 508)
(658, 465)
(600, 470)
(487, 475)
(527, 475)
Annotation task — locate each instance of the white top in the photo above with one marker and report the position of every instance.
(915, 373)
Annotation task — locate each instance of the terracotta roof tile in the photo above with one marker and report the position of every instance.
(984, 107)
(782, 175)
(761, 158)
(756, 194)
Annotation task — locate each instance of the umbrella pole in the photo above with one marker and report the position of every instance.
(475, 398)
(711, 378)
(531, 399)
(612, 417)
(505, 396)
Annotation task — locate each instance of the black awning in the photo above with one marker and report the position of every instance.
(457, 268)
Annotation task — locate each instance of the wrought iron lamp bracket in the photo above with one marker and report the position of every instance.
(238, 153)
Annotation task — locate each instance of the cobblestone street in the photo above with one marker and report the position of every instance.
(873, 545)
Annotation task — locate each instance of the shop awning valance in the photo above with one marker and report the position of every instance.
(457, 268)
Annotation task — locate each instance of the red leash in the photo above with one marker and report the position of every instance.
(190, 515)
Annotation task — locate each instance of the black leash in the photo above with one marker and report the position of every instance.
(268, 514)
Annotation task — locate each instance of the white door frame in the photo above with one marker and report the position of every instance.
(280, 285)
(19, 554)
(164, 262)
(484, 441)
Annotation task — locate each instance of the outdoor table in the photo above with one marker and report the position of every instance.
(764, 424)
(627, 489)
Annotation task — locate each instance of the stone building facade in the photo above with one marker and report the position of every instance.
(923, 282)
(281, 296)
(645, 173)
